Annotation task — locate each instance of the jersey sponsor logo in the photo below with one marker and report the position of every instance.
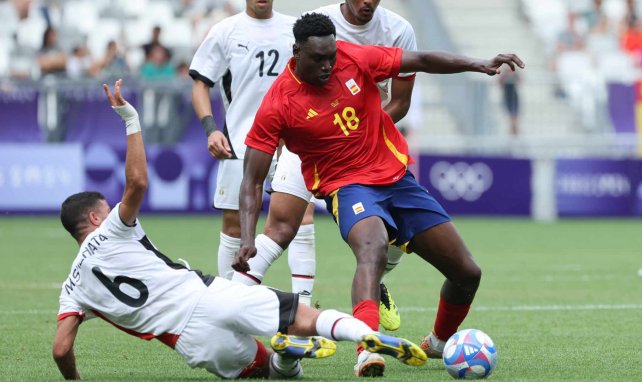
(358, 208)
(311, 113)
(334, 103)
(461, 180)
(242, 46)
(351, 84)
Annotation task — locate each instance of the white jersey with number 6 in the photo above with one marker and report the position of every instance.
(255, 52)
(120, 276)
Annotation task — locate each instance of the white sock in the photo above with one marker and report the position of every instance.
(341, 326)
(395, 254)
(285, 368)
(227, 248)
(302, 261)
(267, 251)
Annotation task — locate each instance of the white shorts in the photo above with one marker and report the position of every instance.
(288, 177)
(228, 183)
(218, 335)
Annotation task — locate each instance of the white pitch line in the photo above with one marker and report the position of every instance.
(535, 308)
(518, 308)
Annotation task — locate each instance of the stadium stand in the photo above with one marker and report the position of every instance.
(573, 49)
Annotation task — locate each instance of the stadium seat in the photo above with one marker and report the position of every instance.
(29, 32)
(135, 58)
(137, 32)
(6, 45)
(178, 33)
(159, 13)
(83, 15)
(132, 8)
(617, 67)
(110, 29)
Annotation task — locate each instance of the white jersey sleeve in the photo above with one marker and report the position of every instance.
(209, 63)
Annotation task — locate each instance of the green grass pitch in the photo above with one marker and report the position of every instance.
(562, 301)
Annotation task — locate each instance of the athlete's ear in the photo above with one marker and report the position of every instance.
(296, 49)
(94, 218)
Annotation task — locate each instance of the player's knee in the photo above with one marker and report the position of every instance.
(470, 277)
(281, 232)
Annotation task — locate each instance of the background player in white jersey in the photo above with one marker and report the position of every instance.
(244, 53)
(360, 22)
(121, 277)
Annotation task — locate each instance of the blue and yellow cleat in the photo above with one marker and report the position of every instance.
(403, 350)
(389, 317)
(302, 347)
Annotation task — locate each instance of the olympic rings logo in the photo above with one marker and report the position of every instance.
(461, 180)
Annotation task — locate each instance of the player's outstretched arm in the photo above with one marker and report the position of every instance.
(255, 168)
(135, 159)
(63, 347)
(447, 63)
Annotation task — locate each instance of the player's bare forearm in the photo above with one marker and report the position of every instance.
(135, 158)
(448, 63)
(135, 178)
(256, 165)
(201, 99)
(63, 347)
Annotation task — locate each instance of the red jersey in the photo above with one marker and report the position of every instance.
(339, 130)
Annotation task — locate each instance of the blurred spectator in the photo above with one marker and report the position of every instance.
(570, 38)
(113, 64)
(197, 10)
(595, 17)
(630, 16)
(182, 71)
(157, 66)
(80, 63)
(155, 42)
(509, 81)
(51, 59)
(631, 40)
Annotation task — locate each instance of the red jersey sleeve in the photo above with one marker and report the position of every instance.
(382, 61)
(268, 123)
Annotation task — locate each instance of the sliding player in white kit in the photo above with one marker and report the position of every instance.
(244, 53)
(121, 277)
(361, 22)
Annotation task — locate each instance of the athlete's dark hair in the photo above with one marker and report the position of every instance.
(312, 24)
(75, 208)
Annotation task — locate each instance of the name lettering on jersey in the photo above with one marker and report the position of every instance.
(88, 250)
(358, 208)
(311, 113)
(334, 103)
(351, 84)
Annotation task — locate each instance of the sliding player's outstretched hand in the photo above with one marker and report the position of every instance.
(492, 67)
(245, 253)
(116, 99)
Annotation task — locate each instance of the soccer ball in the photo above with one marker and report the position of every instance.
(470, 354)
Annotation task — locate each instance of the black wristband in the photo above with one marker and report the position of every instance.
(208, 124)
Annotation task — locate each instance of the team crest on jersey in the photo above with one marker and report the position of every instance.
(358, 208)
(351, 84)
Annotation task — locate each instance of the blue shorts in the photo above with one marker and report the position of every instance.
(406, 208)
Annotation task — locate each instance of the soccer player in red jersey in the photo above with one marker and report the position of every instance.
(326, 108)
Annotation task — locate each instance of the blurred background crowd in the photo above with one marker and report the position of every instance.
(579, 98)
(79, 39)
